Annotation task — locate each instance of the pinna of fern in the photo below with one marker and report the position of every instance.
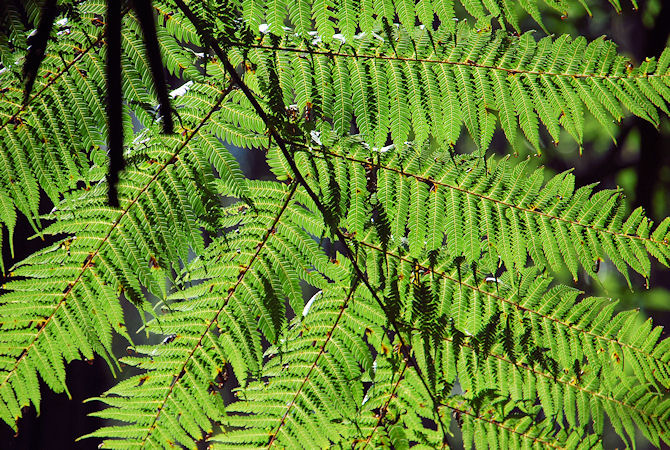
(62, 303)
(423, 83)
(472, 207)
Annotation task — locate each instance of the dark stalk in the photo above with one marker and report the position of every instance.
(209, 41)
(38, 45)
(114, 99)
(145, 15)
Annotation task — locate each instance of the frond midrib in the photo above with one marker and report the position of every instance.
(90, 261)
(444, 275)
(470, 64)
(231, 292)
(322, 349)
(490, 199)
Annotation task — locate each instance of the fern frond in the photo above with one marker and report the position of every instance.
(506, 210)
(427, 271)
(230, 286)
(65, 304)
(562, 348)
(347, 16)
(470, 73)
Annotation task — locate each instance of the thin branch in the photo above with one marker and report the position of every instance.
(322, 350)
(471, 64)
(301, 180)
(114, 99)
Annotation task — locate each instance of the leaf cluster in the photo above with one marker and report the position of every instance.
(379, 288)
